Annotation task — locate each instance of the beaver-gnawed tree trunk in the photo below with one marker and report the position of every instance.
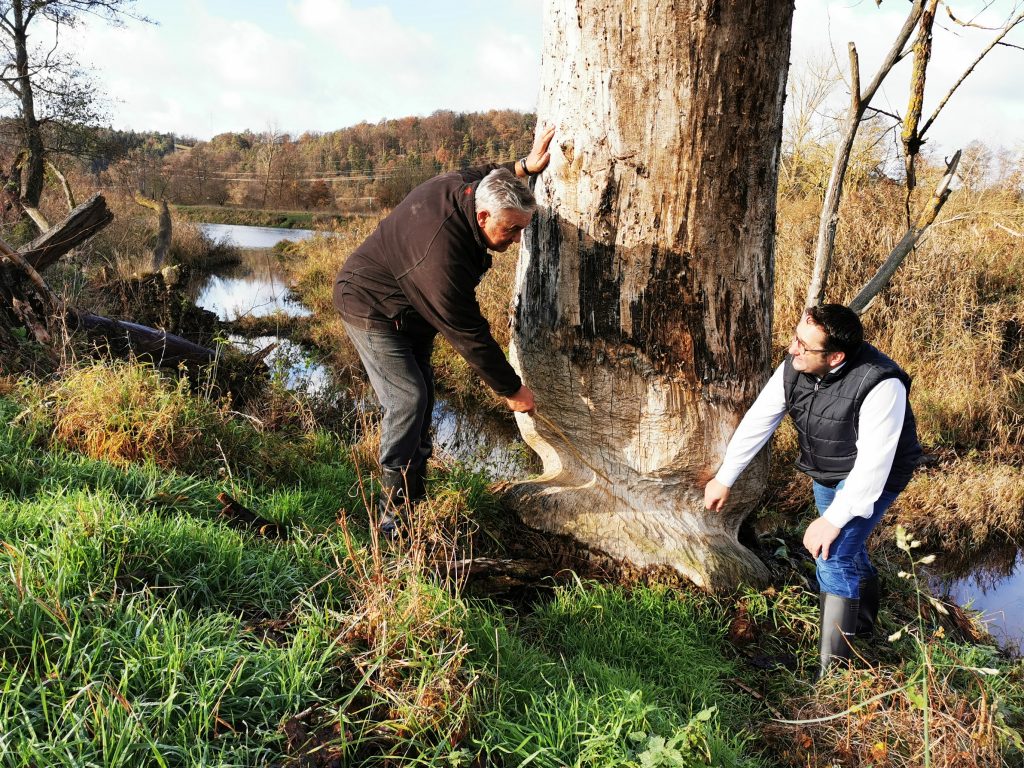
(644, 289)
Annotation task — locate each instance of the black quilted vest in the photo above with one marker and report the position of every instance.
(826, 412)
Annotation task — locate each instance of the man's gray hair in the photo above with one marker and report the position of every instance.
(500, 190)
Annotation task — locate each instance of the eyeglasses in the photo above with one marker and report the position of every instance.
(800, 346)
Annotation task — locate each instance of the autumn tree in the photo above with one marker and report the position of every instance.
(49, 88)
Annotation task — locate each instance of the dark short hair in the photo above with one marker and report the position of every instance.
(843, 330)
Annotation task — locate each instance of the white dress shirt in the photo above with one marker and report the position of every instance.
(878, 433)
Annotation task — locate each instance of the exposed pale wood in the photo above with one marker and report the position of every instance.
(37, 217)
(77, 227)
(69, 194)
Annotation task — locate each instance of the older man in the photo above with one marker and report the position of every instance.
(858, 441)
(416, 276)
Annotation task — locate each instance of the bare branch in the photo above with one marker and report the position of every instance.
(854, 79)
(913, 235)
(1006, 30)
(895, 117)
(830, 207)
(922, 55)
(896, 52)
(971, 23)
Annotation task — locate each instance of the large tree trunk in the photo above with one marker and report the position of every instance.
(643, 311)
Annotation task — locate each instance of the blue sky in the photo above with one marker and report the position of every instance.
(292, 65)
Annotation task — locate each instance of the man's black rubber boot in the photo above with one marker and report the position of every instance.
(838, 626)
(417, 484)
(870, 598)
(391, 505)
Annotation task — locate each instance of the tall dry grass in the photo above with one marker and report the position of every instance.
(129, 412)
(952, 317)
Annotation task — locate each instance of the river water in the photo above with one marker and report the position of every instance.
(995, 588)
(486, 443)
(254, 237)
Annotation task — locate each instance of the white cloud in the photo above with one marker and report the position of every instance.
(217, 65)
(987, 106)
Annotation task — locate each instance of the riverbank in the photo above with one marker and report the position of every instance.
(143, 621)
(258, 217)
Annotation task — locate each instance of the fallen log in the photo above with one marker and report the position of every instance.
(73, 230)
(162, 348)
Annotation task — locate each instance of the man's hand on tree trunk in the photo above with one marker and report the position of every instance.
(539, 157)
(715, 495)
(521, 401)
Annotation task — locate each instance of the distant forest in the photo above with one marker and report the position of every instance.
(364, 167)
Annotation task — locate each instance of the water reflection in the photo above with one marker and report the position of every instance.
(254, 237)
(256, 287)
(483, 442)
(994, 587)
(295, 366)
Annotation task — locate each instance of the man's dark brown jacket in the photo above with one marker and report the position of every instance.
(421, 266)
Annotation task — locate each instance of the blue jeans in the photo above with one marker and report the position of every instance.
(847, 562)
(397, 363)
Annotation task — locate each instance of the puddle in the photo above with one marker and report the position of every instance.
(996, 589)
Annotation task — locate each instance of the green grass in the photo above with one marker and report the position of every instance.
(134, 623)
(599, 676)
(138, 627)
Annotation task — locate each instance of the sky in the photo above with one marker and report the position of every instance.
(210, 66)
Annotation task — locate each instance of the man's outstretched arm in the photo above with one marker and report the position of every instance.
(753, 432)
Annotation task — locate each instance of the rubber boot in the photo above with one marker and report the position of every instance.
(870, 598)
(838, 627)
(417, 484)
(391, 504)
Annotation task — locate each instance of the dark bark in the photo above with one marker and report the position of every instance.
(131, 339)
(33, 171)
